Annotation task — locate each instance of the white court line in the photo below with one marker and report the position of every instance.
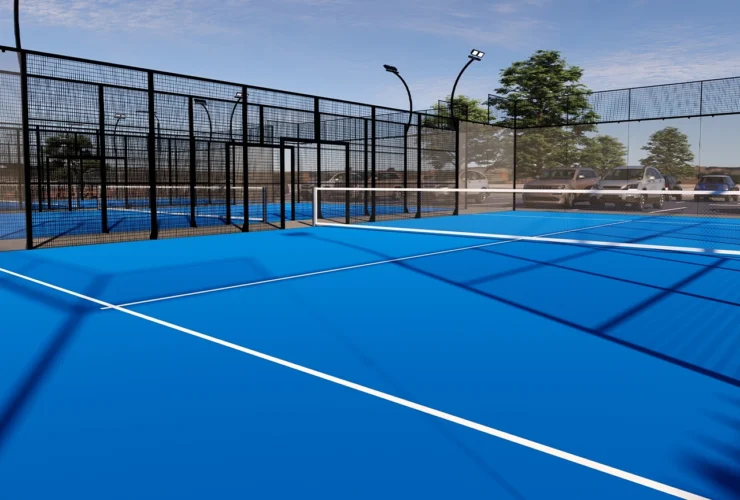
(627, 476)
(668, 210)
(541, 239)
(346, 268)
(637, 219)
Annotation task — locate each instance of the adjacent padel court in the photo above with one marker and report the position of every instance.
(510, 354)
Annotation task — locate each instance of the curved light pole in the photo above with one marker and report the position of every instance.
(17, 24)
(475, 55)
(394, 70)
(203, 103)
(238, 96)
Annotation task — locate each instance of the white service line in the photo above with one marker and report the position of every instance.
(627, 476)
(345, 268)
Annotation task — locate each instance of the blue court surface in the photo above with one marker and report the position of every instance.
(341, 363)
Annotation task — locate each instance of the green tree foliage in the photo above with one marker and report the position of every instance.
(544, 89)
(602, 153)
(466, 108)
(70, 153)
(669, 151)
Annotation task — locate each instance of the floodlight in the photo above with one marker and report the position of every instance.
(476, 54)
(200, 101)
(120, 116)
(238, 95)
(390, 69)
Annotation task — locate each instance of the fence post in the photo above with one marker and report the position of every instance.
(347, 207)
(151, 156)
(292, 182)
(317, 138)
(245, 157)
(26, 151)
(456, 124)
(39, 169)
(18, 154)
(227, 163)
(418, 166)
(365, 150)
(372, 165)
(282, 182)
(193, 160)
(513, 200)
(101, 155)
(125, 170)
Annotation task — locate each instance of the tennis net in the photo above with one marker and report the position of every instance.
(682, 221)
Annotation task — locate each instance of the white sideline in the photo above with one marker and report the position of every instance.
(541, 239)
(627, 476)
(345, 268)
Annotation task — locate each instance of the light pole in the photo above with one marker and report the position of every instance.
(475, 55)
(159, 135)
(204, 104)
(118, 117)
(394, 70)
(17, 25)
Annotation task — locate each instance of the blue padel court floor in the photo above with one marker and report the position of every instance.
(341, 363)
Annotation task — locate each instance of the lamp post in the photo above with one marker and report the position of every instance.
(394, 70)
(159, 134)
(475, 55)
(204, 104)
(118, 117)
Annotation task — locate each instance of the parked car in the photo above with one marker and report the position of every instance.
(627, 182)
(719, 183)
(392, 180)
(474, 180)
(560, 178)
(338, 180)
(672, 184)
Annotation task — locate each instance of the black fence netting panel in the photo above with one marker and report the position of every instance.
(12, 186)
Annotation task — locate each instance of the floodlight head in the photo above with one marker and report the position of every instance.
(476, 54)
(200, 101)
(238, 95)
(390, 69)
(120, 116)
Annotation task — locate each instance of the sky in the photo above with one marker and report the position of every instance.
(336, 48)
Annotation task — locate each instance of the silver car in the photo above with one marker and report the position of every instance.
(626, 183)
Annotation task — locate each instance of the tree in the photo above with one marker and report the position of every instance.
(669, 151)
(602, 153)
(542, 90)
(466, 108)
(71, 154)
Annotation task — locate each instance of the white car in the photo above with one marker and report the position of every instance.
(626, 184)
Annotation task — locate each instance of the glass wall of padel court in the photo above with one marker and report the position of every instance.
(117, 153)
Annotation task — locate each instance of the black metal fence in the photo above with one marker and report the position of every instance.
(118, 153)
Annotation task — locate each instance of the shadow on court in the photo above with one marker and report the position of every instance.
(722, 471)
(600, 331)
(55, 346)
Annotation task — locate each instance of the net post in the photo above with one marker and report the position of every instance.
(513, 196)
(193, 159)
(26, 150)
(372, 165)
(418, 166)
(245, 157)
(282, 182)
(227, 164)
(103, 199)
(151, 154)
(315, 209)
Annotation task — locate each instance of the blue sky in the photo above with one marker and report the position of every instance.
(337, 47)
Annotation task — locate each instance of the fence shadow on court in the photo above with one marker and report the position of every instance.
(598, 331)
(28, 386)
